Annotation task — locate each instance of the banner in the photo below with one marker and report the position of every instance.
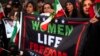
(62, 38)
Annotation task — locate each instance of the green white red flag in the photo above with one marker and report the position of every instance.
(58, 13)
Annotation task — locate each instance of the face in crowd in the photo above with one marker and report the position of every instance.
(40, 5)
(29, 8)
(69, 7)
(13, 15)
(86, 5)
(47, 8)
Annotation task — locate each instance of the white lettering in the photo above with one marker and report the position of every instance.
(49, 40)
(57, 42)
(39, 38)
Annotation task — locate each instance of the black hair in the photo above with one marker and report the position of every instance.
(12, 13)
(7, 10)
(33, 4)
(71, 1)
(46, 4)
(16, 4)
(74, 12)
(83, 15)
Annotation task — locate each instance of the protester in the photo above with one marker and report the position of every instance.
(43, 11)
(91, 46)
(28, 14)
(9, 28)
(30, 8)
(7, 9)
(40, 3)
(84, 10)
(16, 6)
(70, 9)
(47, 8)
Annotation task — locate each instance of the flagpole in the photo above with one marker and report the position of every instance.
(20, 31)
(2, 9)
(63, 9)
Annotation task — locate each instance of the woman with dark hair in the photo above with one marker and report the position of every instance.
(28, 14)
(47, 8)
(84, 9)
(7, 9)
(40, 4)
(30, 7)
(70, 9)
(91, 46)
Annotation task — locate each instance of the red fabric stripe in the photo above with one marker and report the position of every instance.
(45, 27)
(1, 15)
(78, 41)
(97, 1)
(72, 22)
(17, 39)
(60, 13)
(91, 12)
(29, 17)
(24, 33)
(24, 30)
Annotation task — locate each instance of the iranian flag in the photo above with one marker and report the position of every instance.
(1, 11)
(94, 10)
(58, 8)
(97, 1)
(58, 13)
(14, 37)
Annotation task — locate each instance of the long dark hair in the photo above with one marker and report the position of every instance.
(33, 4)
(83, 15)
(74, 12)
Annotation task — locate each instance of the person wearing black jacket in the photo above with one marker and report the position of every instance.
(3, 38)
(7, 26)
(91, 46)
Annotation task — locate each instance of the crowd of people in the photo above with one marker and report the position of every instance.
(72, 9)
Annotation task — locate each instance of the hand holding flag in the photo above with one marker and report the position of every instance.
(58, 12)
(94, 11)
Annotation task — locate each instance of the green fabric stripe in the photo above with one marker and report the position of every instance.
(0, 7)
(98, 8)
(55, 4)
(14, 33)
